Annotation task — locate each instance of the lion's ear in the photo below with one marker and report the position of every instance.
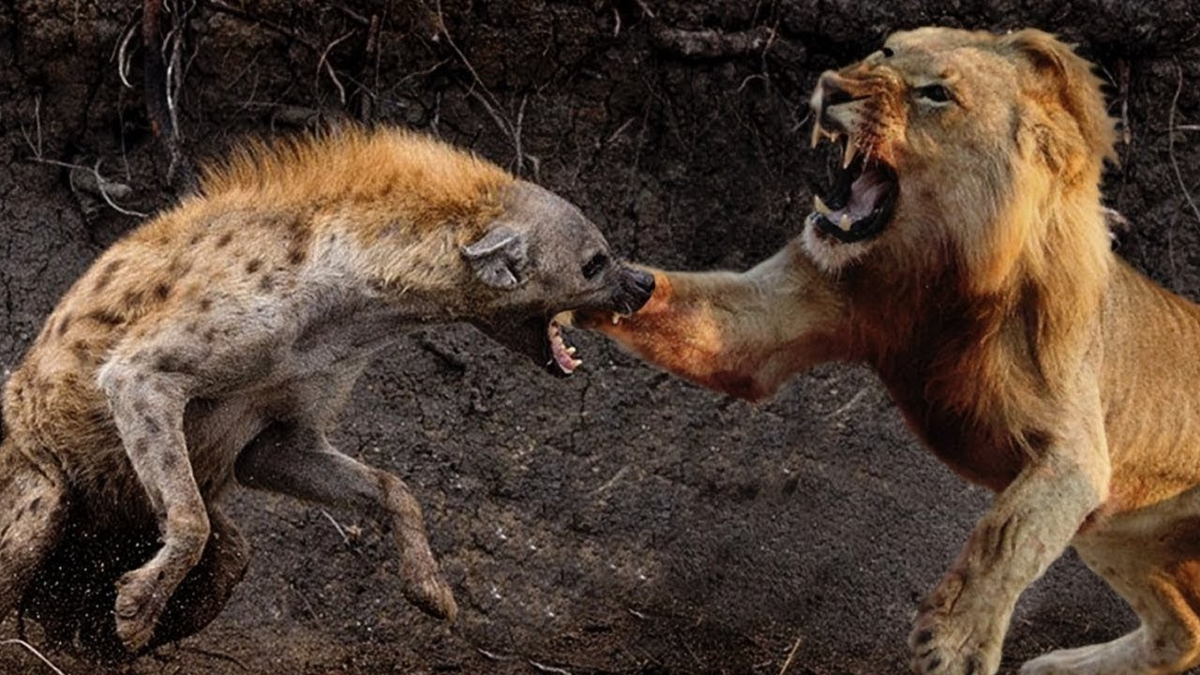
(1066, 79)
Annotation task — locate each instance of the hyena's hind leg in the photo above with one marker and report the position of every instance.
(299, 461)
(1163, 588)
(33, 505)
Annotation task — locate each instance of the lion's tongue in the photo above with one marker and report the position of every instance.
(865, 194)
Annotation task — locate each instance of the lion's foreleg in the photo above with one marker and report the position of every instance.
(742, 334)
(961, 625)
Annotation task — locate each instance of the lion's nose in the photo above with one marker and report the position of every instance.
(829, 93)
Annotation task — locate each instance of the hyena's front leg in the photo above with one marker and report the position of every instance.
(147, 404)
(960, 627)
(297, 460)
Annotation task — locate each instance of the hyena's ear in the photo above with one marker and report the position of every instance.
(499, 258)
(1065, 80)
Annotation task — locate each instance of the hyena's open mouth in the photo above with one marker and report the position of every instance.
(863, 196)
(561, 359)
(541, 335)
(562, 355)
(540, 338)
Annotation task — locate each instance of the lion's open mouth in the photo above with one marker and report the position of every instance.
(862, 198)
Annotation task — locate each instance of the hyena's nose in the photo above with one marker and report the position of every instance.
(829, 93)
(637, 287)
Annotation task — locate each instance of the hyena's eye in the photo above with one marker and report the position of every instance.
(595, 266)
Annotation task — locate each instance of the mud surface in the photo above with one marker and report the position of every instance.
(621, 521)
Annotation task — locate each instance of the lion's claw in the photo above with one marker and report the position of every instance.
(942, 646)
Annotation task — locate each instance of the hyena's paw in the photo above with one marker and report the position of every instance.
(423, 584)
(431, 595)
(140, 602)
(954, 645)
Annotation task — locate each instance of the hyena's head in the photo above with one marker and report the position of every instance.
(542, 258)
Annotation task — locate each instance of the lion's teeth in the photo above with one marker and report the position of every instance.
(820, 206)
(616, 318)
(844, 223)
(851, 151)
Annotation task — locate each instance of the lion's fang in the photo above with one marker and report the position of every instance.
(851, 151)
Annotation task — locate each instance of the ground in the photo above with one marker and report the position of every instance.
(620, 521)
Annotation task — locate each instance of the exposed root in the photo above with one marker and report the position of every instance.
(712, 44)
(30, 648)
(1171, 143)
(324, 62)
(163, 81)
(490, 103)
(543, 668)
(791, 656)
(88, 179)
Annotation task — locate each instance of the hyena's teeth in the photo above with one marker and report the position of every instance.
(616, 318)
(845, 223)
(851, 151)
(571, 351)
(816, 137)
(820, 206)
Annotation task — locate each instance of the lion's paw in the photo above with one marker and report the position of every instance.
(944, 646)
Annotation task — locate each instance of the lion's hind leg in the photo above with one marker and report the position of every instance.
(32, 513)
(1163, 588)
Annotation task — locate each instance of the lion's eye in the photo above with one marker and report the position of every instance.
(934, 92)
(595, 265)
(888, 52)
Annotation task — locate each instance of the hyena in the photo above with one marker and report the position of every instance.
(218, 341)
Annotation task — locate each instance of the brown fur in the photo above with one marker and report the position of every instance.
(381, 173)
(222, 338)
(1018, 347)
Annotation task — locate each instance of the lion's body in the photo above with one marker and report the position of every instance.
(1020, 349)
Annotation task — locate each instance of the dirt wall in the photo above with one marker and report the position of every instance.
(621, 521)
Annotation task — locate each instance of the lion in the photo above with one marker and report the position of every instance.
(963, 254)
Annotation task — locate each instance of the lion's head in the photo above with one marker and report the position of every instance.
(956, 143)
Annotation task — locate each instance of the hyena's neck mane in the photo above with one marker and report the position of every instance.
(387, 181)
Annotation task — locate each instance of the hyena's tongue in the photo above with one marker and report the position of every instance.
(564, 356)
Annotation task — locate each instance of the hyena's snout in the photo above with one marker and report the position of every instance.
(634, 288)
